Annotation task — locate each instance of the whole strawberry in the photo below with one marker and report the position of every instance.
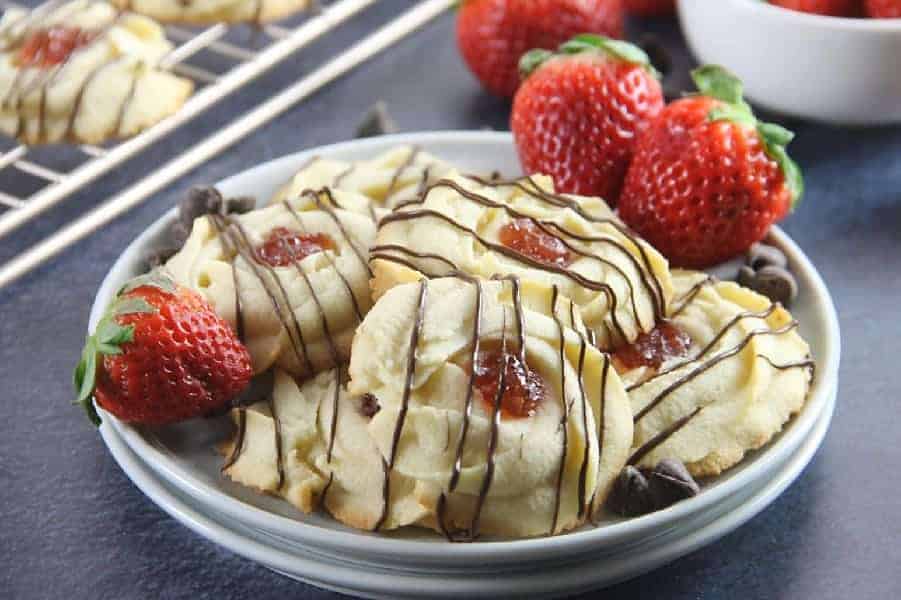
(579, 110)
(883, 9)
(831, 8)
(160, 355)
(492, 35)
(708, 179)
(651, 8)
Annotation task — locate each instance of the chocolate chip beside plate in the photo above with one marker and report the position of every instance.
(670, 482)
(638, 492)
(766, 272)
(777, 284)
(746, 276)
(631, 495)
(240, 205)
(377, 121)
(198, 202)
(763, 255)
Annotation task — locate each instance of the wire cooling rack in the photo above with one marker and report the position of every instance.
(247, 62)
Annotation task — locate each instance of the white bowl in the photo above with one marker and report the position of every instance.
(836, 70)
(182, 455)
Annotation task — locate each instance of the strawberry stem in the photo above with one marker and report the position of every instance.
(717, 82)
(588, 42)
(109, 337)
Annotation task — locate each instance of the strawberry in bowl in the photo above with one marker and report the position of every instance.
(830, 8)
(708, 178)
(651, 8)
(159, 355)
(883, 9)
(579, 111)
(492, 35)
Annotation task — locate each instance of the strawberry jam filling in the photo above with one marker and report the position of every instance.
(527, 238)
(524, 389)
(49, 47)
(284, 246)
(654, 348)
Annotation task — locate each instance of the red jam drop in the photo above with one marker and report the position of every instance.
(652, 349)
(284, 246)
(527, 238)
(48, 47)
(523, 388)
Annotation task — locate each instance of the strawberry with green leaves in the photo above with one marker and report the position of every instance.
(708, 179)
(160, 354)
(492, 35)
(579, 110)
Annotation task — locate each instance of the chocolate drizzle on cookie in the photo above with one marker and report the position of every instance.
(471, 532)
(691, 375)
(237, 242)
(564, 406)
(402, 255)
(32, 79)
(415, 332)
(688, 297)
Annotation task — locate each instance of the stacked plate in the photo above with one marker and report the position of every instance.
(178, 468)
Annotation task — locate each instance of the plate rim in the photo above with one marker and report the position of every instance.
(251, 547)
(571, 543)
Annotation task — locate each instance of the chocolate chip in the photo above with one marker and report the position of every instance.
(241, 204)
(159, 257)
(763, 255)
(178, 233)
(631, 495)
(670, 482)
(199, 201)
(746, 276)
(377, 121)
(369, 406)
(777, 284)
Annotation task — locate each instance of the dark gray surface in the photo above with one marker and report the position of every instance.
(73, 526)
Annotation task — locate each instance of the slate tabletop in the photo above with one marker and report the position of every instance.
(73, 526)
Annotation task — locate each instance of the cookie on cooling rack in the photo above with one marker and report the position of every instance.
(207, 12)
(293, 283)
(382, 183)
(308, 443)
(522, 228)
(739, 371)
(493, 403)
(83, 72)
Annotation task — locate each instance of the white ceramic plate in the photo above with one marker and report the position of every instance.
(183, 455)
(579, 576)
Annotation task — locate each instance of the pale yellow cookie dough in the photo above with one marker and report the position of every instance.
(207, 12)
(301, 324)
(109, 88)
(349, 483)
(747, 373)
(620, 283)
(525, 496)
(377, 185)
